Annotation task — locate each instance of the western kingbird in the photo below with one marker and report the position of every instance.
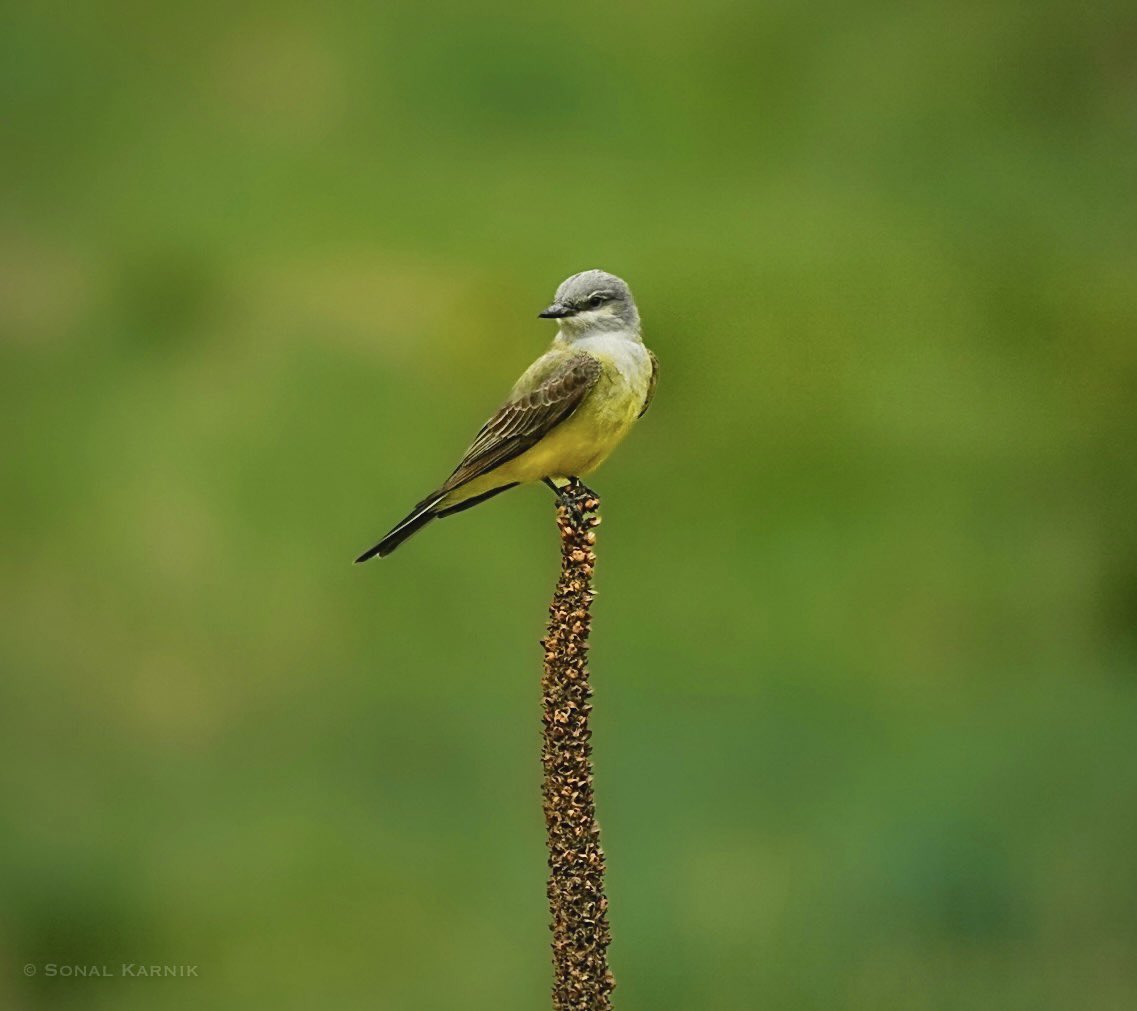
(566, 413)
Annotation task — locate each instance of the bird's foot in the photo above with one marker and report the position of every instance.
(577, 498)
(581, 500)
(577, 484)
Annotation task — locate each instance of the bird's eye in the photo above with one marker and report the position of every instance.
(596, 301)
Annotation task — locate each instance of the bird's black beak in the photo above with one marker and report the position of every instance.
(558, 310)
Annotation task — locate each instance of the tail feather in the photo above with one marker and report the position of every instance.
(418, 518)
(471, 502)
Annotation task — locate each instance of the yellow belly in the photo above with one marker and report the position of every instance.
(574, 448)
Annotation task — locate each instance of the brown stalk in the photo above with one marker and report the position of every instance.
(579, 907)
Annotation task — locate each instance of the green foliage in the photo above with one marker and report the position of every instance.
(864, 650)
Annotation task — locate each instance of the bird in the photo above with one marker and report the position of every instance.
(564, 416)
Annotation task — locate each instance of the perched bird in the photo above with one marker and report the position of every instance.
(566, 413)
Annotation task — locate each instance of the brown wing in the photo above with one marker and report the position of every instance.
(526, 419)
(651, 384)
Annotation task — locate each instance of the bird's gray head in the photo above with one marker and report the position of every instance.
(591, 301)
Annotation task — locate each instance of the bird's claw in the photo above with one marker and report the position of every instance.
(577, 484)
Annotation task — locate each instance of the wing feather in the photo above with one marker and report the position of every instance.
(528, 417)
(650, 385)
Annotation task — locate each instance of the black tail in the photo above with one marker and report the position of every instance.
(428, 509)
(418, 518)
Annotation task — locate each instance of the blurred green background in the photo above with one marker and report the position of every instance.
(865, 640)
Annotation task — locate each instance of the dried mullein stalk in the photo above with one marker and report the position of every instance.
(581, 980)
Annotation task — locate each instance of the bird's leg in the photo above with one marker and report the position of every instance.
(563, 496)
(569, 496)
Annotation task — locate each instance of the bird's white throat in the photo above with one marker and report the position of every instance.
(624, 349)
